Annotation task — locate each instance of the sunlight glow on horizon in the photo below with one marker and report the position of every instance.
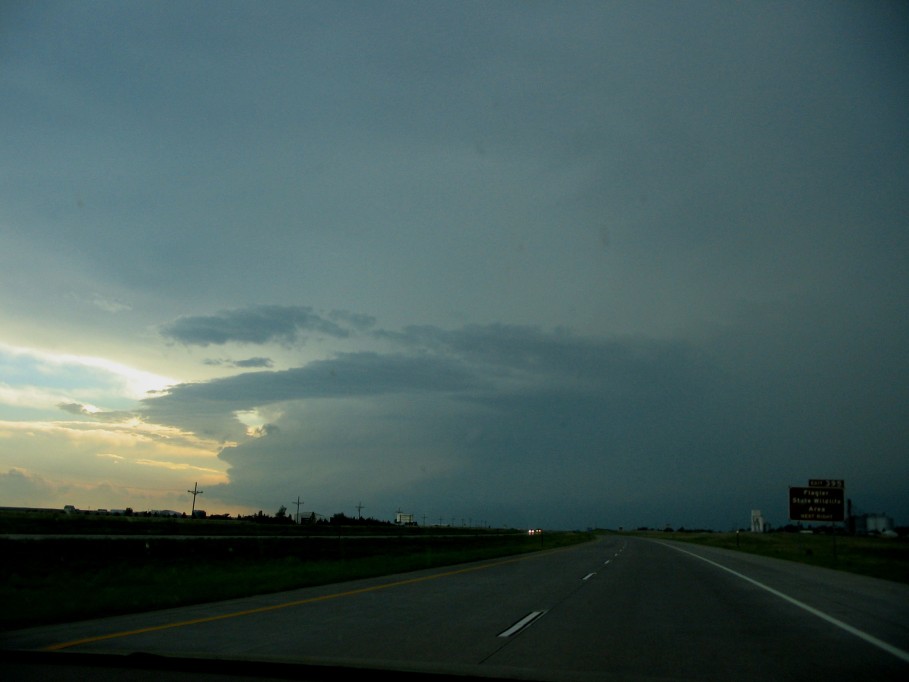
(137, 384)
(33, 374)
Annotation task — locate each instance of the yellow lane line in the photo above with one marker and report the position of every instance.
(275, 607)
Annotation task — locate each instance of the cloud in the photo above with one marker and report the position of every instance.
(256, 325)
(95, 414)
(29, 397)
(358, 321)
(35, 375)
(523, 348)
(22, 487)
(517, 422)
(253, 362)
(508, 411)
(335, 450)
(92, 464)
(38, 438)
(109, 305)
(176, 466)
(19, 486)
(242, 364)
(734, 279)
(209, 407)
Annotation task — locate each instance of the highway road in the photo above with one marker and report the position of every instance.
(621, 608)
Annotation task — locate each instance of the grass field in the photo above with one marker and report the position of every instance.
(66, 579)
(878, 557)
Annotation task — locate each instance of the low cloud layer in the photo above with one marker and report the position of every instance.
(98, 415)
(257, 325)
(248, 363)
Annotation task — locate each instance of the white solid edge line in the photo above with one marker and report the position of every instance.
(871, 639)
(521, 624)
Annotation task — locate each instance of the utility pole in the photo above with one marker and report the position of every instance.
(299, 502)
(359, 510)
(195, 491)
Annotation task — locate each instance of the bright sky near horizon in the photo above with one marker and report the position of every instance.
(523, 263)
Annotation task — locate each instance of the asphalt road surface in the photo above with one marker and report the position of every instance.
(616, 609)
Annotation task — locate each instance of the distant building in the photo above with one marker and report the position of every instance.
(872, 523)
(758, 524)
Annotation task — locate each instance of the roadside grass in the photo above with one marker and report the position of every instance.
(878, 557)
(49, 581)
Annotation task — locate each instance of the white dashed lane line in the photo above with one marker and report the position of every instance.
(525, 622)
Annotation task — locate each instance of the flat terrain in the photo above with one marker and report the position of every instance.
(622, 608)
(59, 578)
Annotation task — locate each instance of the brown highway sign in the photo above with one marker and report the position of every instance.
(817, 504)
